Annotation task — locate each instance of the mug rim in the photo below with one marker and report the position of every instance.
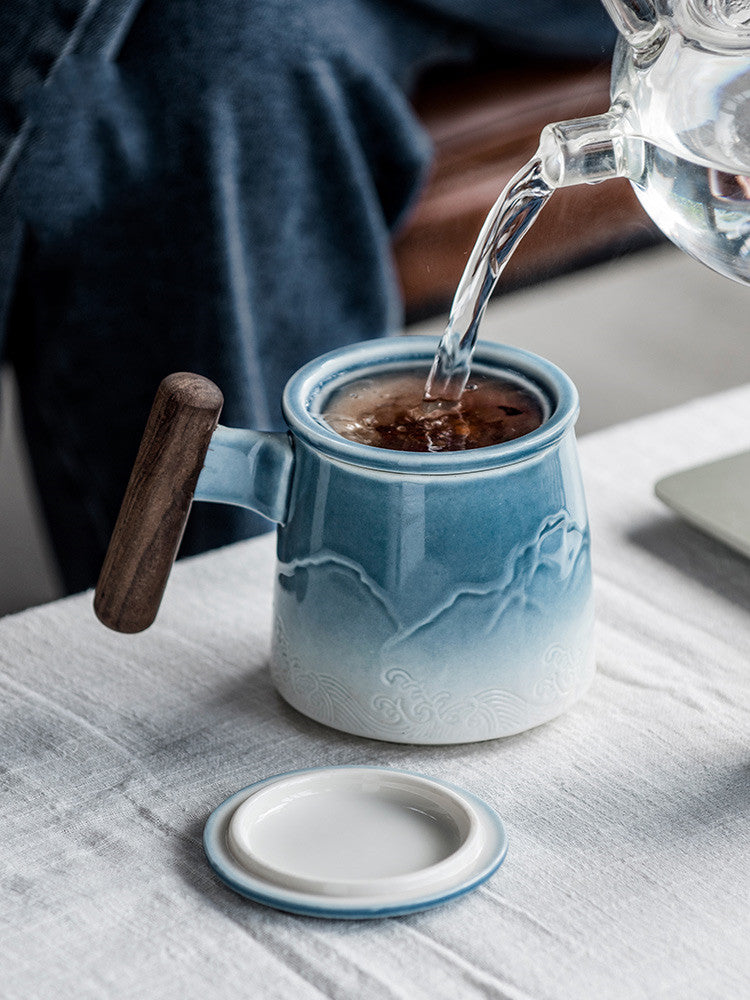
(331, 369)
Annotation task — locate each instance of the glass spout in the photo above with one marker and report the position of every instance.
(638, 23)
(583, 151)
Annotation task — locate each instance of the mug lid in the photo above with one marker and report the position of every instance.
(353, 842)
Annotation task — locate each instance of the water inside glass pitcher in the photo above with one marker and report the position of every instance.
(678, 128)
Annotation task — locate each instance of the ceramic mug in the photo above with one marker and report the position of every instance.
(419, 597)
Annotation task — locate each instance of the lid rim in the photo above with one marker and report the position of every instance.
(492, 844)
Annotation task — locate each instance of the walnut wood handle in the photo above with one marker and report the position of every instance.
(157, 502)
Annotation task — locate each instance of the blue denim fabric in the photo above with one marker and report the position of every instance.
(208, 187)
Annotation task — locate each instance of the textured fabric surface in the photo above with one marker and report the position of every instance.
(627, 873)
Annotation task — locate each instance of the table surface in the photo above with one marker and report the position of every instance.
(627, 873)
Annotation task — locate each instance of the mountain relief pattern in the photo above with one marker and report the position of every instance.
(408, 706)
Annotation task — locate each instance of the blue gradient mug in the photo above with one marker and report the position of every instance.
(419, 597)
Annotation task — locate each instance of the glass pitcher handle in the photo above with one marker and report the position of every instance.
(157, 502)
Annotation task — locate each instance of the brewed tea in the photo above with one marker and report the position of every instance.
(389, 411)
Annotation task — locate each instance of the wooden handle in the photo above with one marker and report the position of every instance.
(157, 502)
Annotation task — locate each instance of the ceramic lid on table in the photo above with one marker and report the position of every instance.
(353, 842)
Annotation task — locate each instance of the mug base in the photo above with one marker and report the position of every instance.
(409, 715)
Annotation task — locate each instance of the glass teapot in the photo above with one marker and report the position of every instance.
(678, 127)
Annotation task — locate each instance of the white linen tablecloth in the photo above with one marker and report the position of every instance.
(627, 873)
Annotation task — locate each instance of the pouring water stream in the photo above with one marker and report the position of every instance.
(509, 220)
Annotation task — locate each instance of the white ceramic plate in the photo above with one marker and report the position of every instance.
(353, 842)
